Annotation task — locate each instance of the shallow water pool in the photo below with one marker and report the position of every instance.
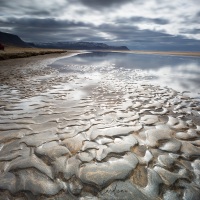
(181, 73)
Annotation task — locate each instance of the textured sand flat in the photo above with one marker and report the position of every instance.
(90, 134)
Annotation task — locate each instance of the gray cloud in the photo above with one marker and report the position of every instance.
(50, 29)
(38, 13)
(104, 3)
(159, 21)
(31, 8)
(194, 19)
(40, 23)
(189, 31)
(137, 24)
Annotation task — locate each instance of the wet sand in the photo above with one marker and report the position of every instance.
(91, 135)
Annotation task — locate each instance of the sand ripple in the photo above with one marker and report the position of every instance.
(93, 135)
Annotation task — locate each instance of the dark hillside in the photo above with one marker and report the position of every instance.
(12, 40)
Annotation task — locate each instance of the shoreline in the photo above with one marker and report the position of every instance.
(28, 54)
(12, 68)
(164, 53)
(174, 53)
(17, 52)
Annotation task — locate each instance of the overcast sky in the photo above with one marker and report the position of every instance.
(135, 23)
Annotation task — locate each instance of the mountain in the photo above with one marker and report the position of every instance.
(79, 46)
(12, 40)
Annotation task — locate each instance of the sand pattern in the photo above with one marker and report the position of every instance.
(92, 134)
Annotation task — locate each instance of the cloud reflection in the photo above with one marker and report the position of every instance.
(179, 73)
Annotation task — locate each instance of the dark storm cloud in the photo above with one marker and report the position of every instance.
(194, 19)
(68, 34)
(104, 3)
(46, 23)
(38, 13)
(3, 3)
(145, 24)
(49, 29)
(195, 31)
(125, 30)
(133, 20)
(131, 32)
(148, 40)
(189, 31)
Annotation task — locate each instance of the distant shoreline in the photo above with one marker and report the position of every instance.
(173, 53)
(19, 52)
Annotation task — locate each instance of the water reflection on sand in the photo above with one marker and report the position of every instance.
(95, 128)
(179, 73)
